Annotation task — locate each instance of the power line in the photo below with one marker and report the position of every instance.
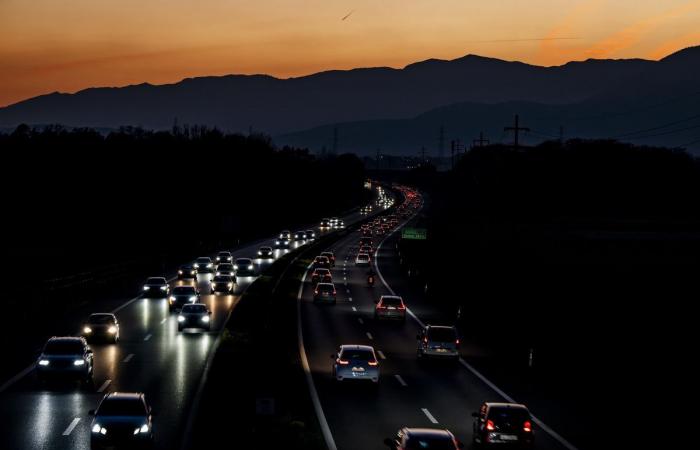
(680, 130)
(670, 124)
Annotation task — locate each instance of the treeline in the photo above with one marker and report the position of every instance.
(78, 197)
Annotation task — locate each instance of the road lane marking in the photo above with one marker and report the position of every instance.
(348, 291)
(359, 319)
(128, 358)
(381, 355)
(148, 336)
(104, 386)
(401, 381)
(369, 336)
(164, 320)
(428, 415)
(354, 309)
(71, 426)
(350, 298)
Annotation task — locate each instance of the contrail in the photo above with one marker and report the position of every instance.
(349, 14)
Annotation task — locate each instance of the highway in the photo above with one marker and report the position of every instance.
(151, 357)
(437, 394)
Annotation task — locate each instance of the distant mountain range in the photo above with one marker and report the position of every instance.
(401, 110)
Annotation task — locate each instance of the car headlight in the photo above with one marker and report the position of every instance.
(142, 429)
(43, 362)
(97, 428)
(205, 319)
(180, 318)
(196, 266)
(218, 259)
(193, 298)
(171, 299)
(250, 267)
(192, 272)
(179, 272)
(87, 330)
(79, 362)
(163, 288)
(259, 252)
(230, 285)
(235, 267)
(218, 273)
(145, 288)
(112, 329)
(210, 265)
(213, 285)
(277, 242)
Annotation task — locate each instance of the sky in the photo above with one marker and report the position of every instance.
(69, 45)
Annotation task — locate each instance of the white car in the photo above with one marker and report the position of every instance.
(362, 259)
(356, 362)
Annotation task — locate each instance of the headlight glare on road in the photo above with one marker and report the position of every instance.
(87, 330)
(205, 319)
(180, 318)
(112, 329)
(79, 362)
(43, 362)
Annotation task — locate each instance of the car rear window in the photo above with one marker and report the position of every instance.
(429, 443)
(325, 287)
(122, 407)
(223, 279)
(184, 290)
(63, 347)
(502, 416)
(391, 301)
(243, 262)
(357, 355)
(442, 334)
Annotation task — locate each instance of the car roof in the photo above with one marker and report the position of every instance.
(325, 284)
(124, 396)
(189, 306)
(426, 432)
(322, 269)
(68, 339)
(158, 279)
(357, 347)
(204, 257)
(441, 327)
(224, 252)
(266, 248)
(328, 252)
(506, 405)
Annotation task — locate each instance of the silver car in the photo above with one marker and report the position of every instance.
(356, 362)
(195, 315)
(438, 342)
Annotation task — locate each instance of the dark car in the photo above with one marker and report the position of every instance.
(65, 357)
(325, 292)
(438, 342)
(122, 420)
(224, 257)
(330, 256)
(300, 236)
(321, 262)
(204, 264)
(503, 424)
(266, 253)
(366, 241)
(282, 243)
(225, 269)
(156, 287)
(186, 271)
(244, 267)
(223, 284)
(195, 315)
(325, 224)
(319, 274)
(310, 235)
(285, 234)
(423, 439)
(181, 296)
(101, 326)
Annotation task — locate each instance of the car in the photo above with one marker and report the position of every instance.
(339, 224)
(195, 315)
(181, 296)
(66, 357)
(156, 287)
(310, 235)
(122, 419)
(318, 274)
(282, 243)
(333, 221)
(362, 260)
(365, 240)
(423, 439)
(299, 236)
(285, 234)
(366, 210)
(225, 269)
(503, 424)
(321, 262)
(223, 283)
(390, 307)
(330, 256)
(438, 342)
(244, 267)
(186, 271)
(325, 224)
(266, 253)
(101, 326)
(325, 292)
(355, 362)
(224, 257)
(203, 264)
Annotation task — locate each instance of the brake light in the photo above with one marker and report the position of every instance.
(457, 342)
(490, 426)
(342, 362)
(316, 291)
(527, 426)
(402, 307)
(425, 339)
(372, 363)
(334, 293)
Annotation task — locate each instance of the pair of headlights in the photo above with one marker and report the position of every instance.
(110, 330)
(181, 319)
(97, 428)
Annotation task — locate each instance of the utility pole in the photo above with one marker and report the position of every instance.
(441, 143)
(481, 141)
(516, 129)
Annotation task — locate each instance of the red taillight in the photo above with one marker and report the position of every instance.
(527, 426)
(425, 339)
(342, 362)
(373, 363)
(334, 293)
(490, 426)
(457, 342)
(402, 307)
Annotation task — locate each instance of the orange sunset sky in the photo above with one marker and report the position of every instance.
(68, 45)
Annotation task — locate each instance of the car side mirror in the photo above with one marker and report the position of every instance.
(475, 414)
(390, 443)
(91, 412)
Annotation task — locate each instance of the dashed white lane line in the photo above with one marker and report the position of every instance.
(369, 336)
(148, 336)
(401, 381)
(354, 309)
(350, 298)
(128, 357)
(348, 291)
(381, 355)
(428, 415)
(72, 425)
(359, 319)
(104, 385)
(164, 320)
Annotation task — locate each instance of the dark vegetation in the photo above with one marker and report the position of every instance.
(588, 254)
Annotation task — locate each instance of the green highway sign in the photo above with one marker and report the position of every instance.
(419, 234)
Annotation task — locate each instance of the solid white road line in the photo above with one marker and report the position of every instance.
(148, 336)
(71, 426)
(428, 415)
(381, 355)
(369, 336)
(400, 380)
(128, 357)
(104, 386)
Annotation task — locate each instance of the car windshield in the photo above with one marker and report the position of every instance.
(225, 267)
(194, 309)
(222, 279)
(391, 301)
(122, 407)
(98, 319)
(430, 443)
(243, 262)
(265, 249)
(327, 255)
(322, 259)
(184, 290)
(224, 255)
(358, 355)
(203, 260)
(155, 281)
(57, 347)
(442, 334)
(502, 416)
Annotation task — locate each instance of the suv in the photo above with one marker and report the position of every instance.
(122, 419)
(390, 307)
(330, 256)
(66, 357)
(156, 287)
(195, 315)
(355, 362)
(225, 269)
(325, 292)
(497, 424)
(101, 326)
(423, 438)
(362, 260)
(224, 257)
(439, 342)
(181, 296)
